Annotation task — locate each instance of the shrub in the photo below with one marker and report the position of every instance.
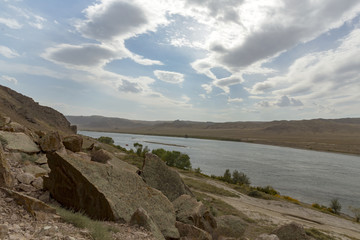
(268, 190)
(356, 212)
(240, 178)
(107, 140)
(174, 158)
(227, 176)
(255, 194)
(197, 170)
(335, 205)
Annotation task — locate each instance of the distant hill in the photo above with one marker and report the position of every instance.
(29, 113)
(337, 135)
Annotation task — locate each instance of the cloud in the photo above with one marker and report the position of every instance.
(7, 52)
(285, 101)
(169, 77)
(130, 87)
(81, 55)
(10, 23)
(9, 79)
(225, 83)
(235, 100)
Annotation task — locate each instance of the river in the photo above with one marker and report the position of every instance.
(309, 176)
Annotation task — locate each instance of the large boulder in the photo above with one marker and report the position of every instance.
(158, 175)
(292, 231)
(73, 143)
(51, 142)
(107, 191)
(188, 232)
(101, 156)
(189, 211)
(141, 218)
(6, 178)
(19, 142)
(230, 226)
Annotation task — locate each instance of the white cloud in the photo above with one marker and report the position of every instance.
(10, 23)
(7, 52)
(9, 79)
(235, 100)
(169, 77)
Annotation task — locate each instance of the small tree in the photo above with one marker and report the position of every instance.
(356, 212)
(335, 205)
(227, 176)
(240, 178)
(107, 140)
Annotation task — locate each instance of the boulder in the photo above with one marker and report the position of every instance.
(188, 232)
(35, 170)
(4, 121)
(6, 178)
(73, 143)
(19, 142)
(41, 160)
(38, 183)
(101, 156)
(25, 178)
(142, 218)
(230, 226)
(267, 237)
(292, 231)
(15, 127)
(34, 206)
(158, 175)
(189, 211)
(107, 191)
(51, 142)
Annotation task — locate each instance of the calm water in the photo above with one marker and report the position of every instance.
(309, 176)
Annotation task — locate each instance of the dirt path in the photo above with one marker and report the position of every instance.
(272, 212)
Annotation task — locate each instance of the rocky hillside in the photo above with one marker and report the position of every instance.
(30, 114)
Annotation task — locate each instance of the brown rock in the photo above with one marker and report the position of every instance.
(51, 142)
(41, 160)
(101, 156)
(6, 178)
(229, 226)
(26, 188)
(15, 127)
(158, 175)
(38, 183)
(267, 237)
(25, 178)
(191, 232)
(107, 191)
(19, 142)
(292, 231)
(142, 218)
(32, 205)
(4, 121)
(73, 143)
(188, 210)
(3, 231)
(35, 170)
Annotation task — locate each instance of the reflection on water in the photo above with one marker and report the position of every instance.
(309, 176)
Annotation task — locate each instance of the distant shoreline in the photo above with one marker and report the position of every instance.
(313, 146)
(167, 144)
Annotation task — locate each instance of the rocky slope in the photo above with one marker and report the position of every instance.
(28, 113)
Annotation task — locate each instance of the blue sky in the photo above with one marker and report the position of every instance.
(202, 60)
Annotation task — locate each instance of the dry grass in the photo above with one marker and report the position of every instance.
(205, 187)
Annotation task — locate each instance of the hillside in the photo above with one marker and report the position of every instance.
(29, 113)
(336, 135)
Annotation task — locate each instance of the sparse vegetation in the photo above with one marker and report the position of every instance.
(107, 140)
(268, 190)
(356, 212)
(322, 208)
(335, 205)
(312, 232)
(205, 187)
(97, 229)
(236, 177)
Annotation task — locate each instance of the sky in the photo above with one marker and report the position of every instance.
(200, 60)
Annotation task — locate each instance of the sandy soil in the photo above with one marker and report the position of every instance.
(275, 213)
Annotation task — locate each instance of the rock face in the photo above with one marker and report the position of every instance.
(190, 211)
(292, 231)
(191, 232)
(73, 143)
(101, 156)
(104, 191)
(142, 218)
(230, 226)
(158, 175)
(267, 237)
(51, 142)
(6, 178)
(19, 142)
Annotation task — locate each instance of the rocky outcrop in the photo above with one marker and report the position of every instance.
(189, 211)
(19, 142)
(158, 175)
(101, 156)
(142, 218)
(51, 142)
(229, 226)
(6, 178)
(107, 191)
(73, 143)
(188, 232)
(267, 237)
(292, 231)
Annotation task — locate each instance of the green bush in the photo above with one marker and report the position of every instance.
(268, 190)
(174, 158)
(335, 205)
(197, 170)
(107, 140)
(240, 178)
